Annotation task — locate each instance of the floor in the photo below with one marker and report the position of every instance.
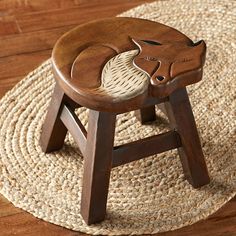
(28, 31)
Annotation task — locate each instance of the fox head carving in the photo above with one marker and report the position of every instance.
(167, 60)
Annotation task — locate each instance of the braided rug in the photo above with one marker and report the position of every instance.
(149, 195)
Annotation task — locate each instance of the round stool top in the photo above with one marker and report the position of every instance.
(117, 64)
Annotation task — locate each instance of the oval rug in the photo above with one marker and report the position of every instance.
(147, 196)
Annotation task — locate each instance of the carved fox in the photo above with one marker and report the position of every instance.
(164, 62)
(167, 66)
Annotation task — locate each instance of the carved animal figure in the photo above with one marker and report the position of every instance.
(166, 61)
(153, 67)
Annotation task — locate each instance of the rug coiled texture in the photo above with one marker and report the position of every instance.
(149, 195)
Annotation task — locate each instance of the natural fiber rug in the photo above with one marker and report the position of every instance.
(149, 195)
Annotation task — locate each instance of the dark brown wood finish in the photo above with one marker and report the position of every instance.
(40, 20)
(74, 125)
(77, 70)
(146, 114)
(170, 64)
(146, 147)
(180, 65)
(54, 131)
(97, 165)
(182, 120)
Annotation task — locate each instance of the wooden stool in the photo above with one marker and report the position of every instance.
(164, 62)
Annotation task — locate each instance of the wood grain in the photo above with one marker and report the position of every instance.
(26, 43)
(181, 66)
(97, 165)
(182, 120)
(53, 130)
(75, 127)
(16, 221)
(60, 17)
(19, 63)
(145, 147)
(8, 25)
(81, 45)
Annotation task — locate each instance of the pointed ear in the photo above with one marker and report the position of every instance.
(138, 42)
(200, 45)
(200, 49)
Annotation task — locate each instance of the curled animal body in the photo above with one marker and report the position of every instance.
(159, 67)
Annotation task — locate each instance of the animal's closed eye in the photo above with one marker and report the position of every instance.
(151, 42)
(147, 58)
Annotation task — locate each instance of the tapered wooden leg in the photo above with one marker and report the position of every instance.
(181, 118)
(146, 114)
(53, 131)
(97, 165)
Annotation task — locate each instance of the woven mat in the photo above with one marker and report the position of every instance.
(149, 195)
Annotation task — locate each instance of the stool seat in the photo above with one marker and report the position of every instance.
(119, 64)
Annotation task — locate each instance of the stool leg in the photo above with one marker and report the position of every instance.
(53, 130)
(97, 165)
(146, 114)
(181, 118)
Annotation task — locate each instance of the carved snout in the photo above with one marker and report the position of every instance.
(161, 74)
